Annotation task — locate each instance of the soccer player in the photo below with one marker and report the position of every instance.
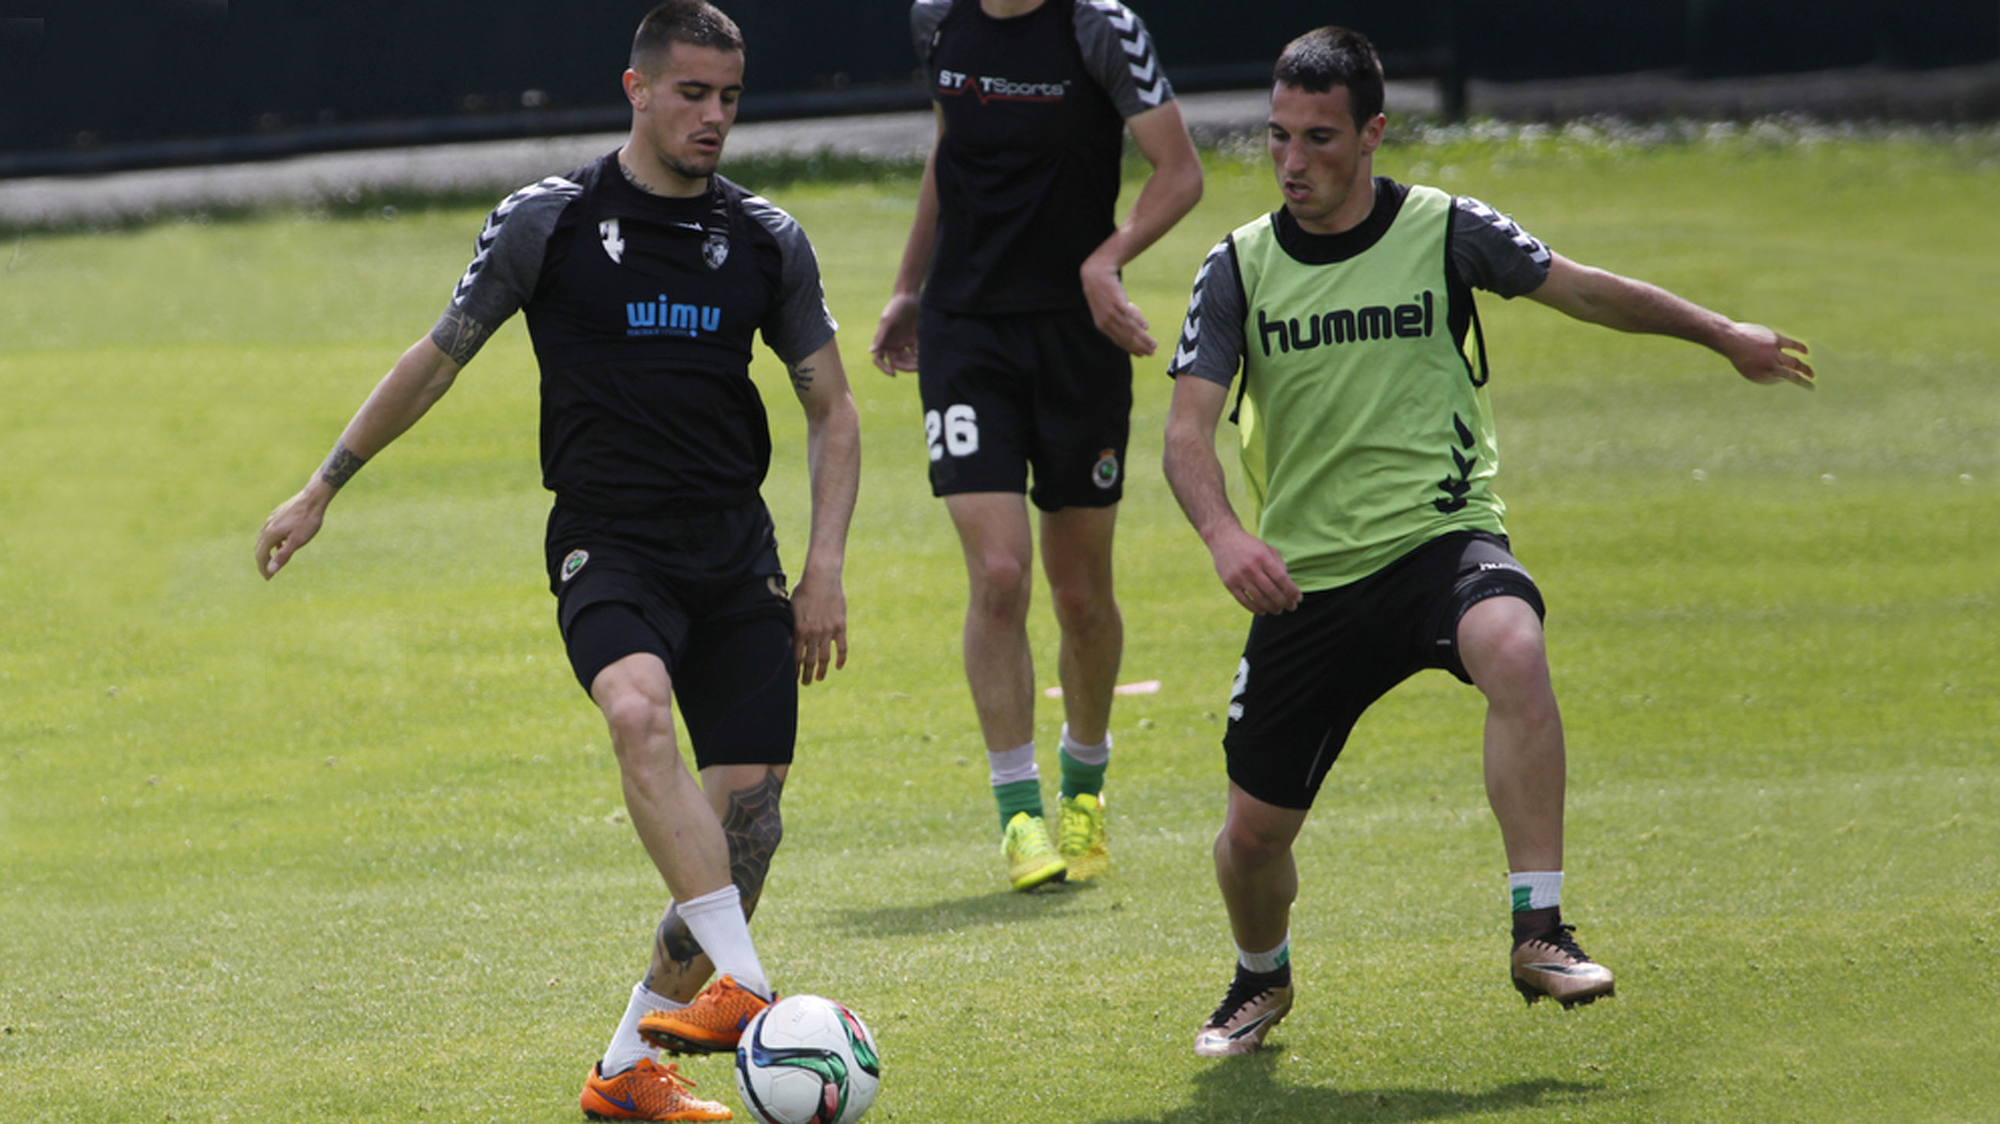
(644, 276)
(1009, 291)
(1379, 547)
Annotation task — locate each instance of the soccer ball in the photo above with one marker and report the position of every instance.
(807, 1060)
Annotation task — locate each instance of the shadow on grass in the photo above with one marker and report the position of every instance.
(1247, 1089)
(999, 907)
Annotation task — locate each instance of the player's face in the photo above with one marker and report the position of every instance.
(1323, 162)
(684, 111)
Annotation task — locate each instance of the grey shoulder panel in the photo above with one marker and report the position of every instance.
(507, 256)
(925, 17)
(1492, 252)
(1211, 343)
(1120, 53)
(800, 324)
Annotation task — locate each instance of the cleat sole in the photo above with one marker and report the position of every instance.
(687, 1047)
(1533, 995)
(1042, 878)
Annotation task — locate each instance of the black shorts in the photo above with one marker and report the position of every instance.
(705, 593)
(1306, 676)
(1002, 394)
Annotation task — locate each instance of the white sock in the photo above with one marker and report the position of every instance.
(1086, 754)
(627, 1048)
(1535, 889)
(1010, 766)
(717, 923)
(1264, 963)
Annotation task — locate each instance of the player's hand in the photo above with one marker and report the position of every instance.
(895, 346)
(1111, 310)
(290, 527)
(1766, 356)
(1253, 572)
(819, 628)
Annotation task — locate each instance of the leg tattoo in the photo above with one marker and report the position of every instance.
(753, 825)
(754, 828)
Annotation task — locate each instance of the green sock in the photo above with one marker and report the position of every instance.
(1018, 796)
(1079, 778)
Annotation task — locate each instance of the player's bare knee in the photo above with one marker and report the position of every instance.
(1242, 845)
(1503, 647)
(631, 716)
(1001, 584)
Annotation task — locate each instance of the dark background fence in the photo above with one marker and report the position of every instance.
(95, 84)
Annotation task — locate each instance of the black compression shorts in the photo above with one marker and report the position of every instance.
(1306, 676)
(1003, 394)
(705, 594)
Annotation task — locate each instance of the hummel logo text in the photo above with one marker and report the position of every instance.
(1377, 322)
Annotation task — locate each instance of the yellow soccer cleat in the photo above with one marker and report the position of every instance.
(1031, 859)
(1085, 842)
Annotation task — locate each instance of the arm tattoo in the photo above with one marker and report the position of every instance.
(340, 466)
(753, 826)
(802, 377)
(459, 336)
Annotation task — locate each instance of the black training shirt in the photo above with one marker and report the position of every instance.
(642, 309)
(1027, 168)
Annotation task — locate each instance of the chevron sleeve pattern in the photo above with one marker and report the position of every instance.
(1211, 341)
(1121, 56)
(507, 258)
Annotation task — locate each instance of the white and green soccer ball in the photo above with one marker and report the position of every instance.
(807, 1060)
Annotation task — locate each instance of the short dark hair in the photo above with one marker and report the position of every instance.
(1331, 56)
(696, 23)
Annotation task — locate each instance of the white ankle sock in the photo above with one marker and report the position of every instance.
(1535, 889)
(1266, 962)
(1086, 754)
(717, 922)
(1009, 766)
(627, 1048)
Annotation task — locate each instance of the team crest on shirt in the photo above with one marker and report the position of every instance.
(614, 243)
(574, 563)
(1105, 473)
(715, 251)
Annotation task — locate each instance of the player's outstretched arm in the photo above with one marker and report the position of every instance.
(1250, 569)
(1169, 193)
(1601, 297)
(895, 345)
(833, 457)
(417, 381)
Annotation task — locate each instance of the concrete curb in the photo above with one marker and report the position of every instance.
(492, 168)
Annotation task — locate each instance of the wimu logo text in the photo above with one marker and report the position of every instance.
(664, 317)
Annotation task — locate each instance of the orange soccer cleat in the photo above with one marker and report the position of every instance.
(709, 1025)
(647, 1091)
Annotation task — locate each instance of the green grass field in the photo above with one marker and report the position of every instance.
(349, 846)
